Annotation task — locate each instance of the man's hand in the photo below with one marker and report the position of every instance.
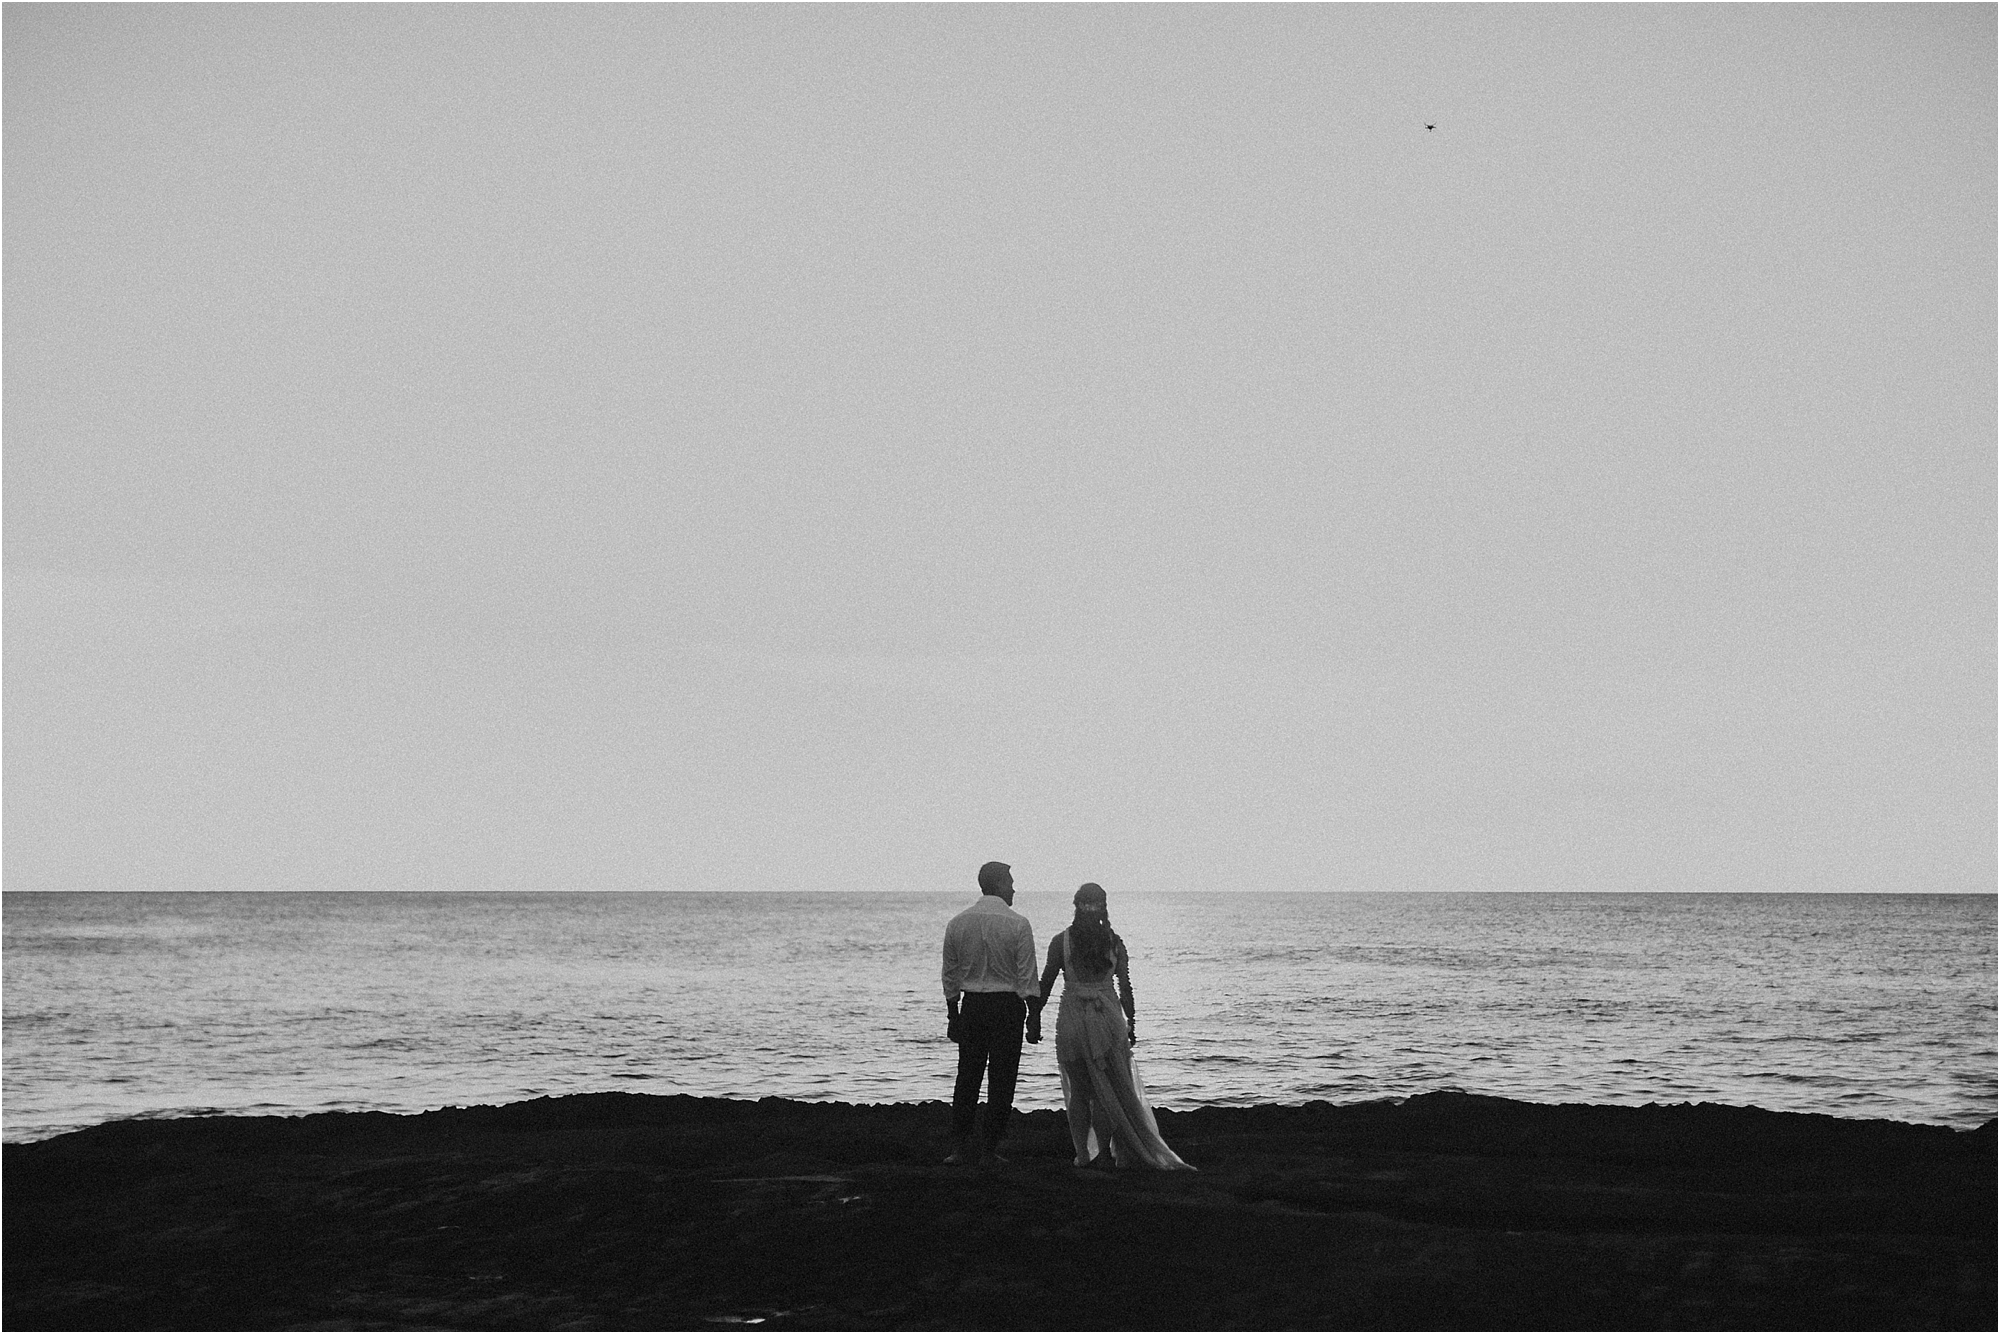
(953, 1030)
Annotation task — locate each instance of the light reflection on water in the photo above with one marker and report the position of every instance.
(138, 1004)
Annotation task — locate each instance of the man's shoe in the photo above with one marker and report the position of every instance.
(959, 1157)
(990, 1158)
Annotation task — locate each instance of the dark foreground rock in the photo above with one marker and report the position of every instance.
(621, 1211)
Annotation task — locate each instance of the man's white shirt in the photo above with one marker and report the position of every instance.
(990, 947)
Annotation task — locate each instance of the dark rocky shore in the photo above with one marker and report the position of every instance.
(620, 1211)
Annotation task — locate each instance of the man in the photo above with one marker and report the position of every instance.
(990, 989)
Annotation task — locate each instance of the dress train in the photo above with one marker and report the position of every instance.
(1102, 1090)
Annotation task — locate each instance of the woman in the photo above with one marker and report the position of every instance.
(1095, 1030)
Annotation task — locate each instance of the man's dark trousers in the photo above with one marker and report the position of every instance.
(989, 1044)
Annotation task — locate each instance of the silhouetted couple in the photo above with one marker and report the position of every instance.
(993, 998)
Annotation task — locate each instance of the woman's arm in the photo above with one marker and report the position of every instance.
(1054, 968)
(1124, 966)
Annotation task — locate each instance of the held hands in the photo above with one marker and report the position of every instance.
(1034, 1028)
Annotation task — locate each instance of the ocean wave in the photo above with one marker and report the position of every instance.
(1820, 1081)
(1287, 1002)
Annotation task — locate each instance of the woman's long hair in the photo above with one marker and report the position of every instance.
(1091, 939)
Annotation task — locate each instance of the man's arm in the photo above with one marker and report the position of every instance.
(952, 975)
(1025, 982)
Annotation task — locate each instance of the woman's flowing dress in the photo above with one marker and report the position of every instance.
(1101, 1088)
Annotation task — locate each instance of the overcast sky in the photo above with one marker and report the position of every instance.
(632, 447)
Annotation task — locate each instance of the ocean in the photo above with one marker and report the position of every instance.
(144, 1005)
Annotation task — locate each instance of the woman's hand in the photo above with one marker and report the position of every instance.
(1132, 1032)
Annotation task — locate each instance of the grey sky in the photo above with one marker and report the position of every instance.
(759, 447)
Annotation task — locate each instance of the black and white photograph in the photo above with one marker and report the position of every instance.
(991, 666)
